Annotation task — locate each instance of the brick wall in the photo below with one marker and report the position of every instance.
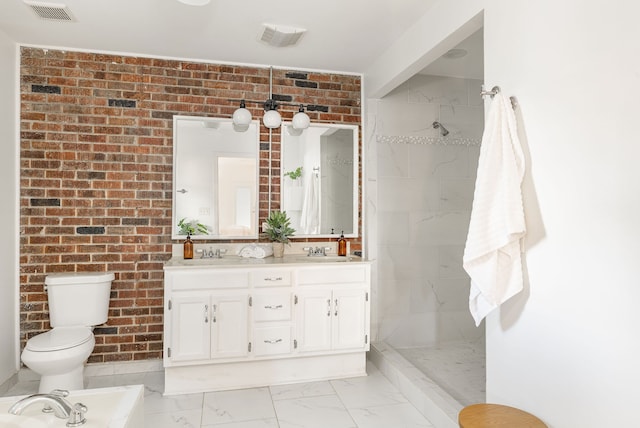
(96, 172)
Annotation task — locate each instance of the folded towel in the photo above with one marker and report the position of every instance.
(261, 252)
(256, 251)
(492, 253)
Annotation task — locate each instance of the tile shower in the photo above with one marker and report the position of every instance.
(425, 184)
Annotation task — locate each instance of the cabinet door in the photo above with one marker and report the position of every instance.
(229, 325)
(190, 334)
(349, 319)
(313, 320)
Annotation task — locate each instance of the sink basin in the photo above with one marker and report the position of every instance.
(14, 421)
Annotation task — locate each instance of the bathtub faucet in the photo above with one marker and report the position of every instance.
(56, 403)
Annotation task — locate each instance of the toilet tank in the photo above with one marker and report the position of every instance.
(78, 299)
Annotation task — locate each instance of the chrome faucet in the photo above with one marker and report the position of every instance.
(317, 251)
(56, 403)
(218, 253)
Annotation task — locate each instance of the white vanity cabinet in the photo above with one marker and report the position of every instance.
(332, 319)
(206, 315)
(207, 326)
(333, 309)
(244, 325)
(271, 312)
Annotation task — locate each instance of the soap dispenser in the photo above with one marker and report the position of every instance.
(342, 245)
(188, 247)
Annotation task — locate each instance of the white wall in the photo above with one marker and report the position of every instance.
(425, 190)
(8, 211)
(567, 348)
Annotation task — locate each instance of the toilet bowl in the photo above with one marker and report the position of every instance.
(59, 356)
(77, 302)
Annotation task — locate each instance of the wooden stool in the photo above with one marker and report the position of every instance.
(496, 415)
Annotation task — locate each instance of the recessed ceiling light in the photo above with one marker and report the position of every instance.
(195, 2)
(455, 54)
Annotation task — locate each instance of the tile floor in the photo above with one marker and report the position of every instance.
(458, 367)
(362, 402)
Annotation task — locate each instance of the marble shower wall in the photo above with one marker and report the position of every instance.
(423, 194)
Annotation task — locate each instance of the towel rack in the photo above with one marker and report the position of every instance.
(496, 90)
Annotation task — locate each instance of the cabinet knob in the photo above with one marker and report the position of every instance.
(273, 341)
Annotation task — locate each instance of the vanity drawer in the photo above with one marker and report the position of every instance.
(272, 340)
(333, 275)
(200, 279)
(270, 277)
(272, 307)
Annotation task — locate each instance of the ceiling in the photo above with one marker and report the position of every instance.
(470, 66)
(342, 36)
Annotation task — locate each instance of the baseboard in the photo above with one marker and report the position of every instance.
(122, 367)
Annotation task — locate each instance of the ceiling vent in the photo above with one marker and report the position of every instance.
(281, 36)
(51, 11)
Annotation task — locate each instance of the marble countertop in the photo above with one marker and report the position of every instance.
(237, 261)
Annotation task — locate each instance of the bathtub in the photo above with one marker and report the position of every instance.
(117, 407)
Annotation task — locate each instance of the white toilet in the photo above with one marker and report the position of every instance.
(77, 302)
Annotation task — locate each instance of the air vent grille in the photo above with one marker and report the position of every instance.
(51, 11)
(280, 36)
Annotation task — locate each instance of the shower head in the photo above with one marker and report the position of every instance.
(443, 130)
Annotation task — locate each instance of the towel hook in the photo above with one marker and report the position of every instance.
(496, 90)
(492, 93)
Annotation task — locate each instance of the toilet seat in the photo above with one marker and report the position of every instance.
(59, 338)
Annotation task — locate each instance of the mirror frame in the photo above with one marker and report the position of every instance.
(174, 218)
(356, 176)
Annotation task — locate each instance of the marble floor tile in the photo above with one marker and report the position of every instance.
(23, 388)
(237, 406)
(300, 390)
(458, 367)
(313, 412)
(156, 403)
(259, 423)
(397, 416)
(180, 419)
(368, 391)
(362, 402)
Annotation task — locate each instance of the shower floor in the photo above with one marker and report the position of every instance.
(457, 367)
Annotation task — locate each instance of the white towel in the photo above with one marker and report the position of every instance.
(492, 253)
(255, 251)
(310, 218)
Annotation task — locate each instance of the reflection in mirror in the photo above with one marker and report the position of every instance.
(320, 179)
(215, 176)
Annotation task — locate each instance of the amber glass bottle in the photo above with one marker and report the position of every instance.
(342, 245)
(188, 247)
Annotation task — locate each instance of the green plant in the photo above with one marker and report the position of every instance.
(278, 227)
(294, 175)
(192, 227)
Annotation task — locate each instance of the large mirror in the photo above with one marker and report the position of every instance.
(215, 179)
(319, 187)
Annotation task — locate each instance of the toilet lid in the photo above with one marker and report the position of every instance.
(59, 338)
